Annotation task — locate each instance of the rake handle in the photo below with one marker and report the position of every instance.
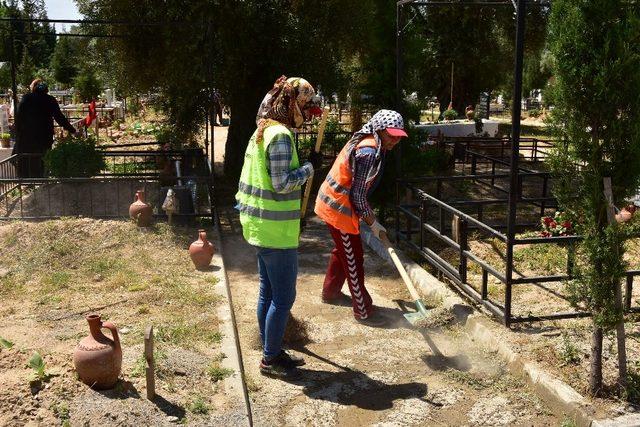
(396, 261)
(307, 189)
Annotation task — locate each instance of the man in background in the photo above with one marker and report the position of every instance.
(34, 129)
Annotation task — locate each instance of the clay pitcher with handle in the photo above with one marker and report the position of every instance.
(98, 358)
(201, 251)
(139, 211)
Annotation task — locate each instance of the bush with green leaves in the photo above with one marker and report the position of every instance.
(168, 136)
(418, 159)
(450, 114)
(37, 364)
(597, 123)
(87, 85)
(74, 157)
(535, 113)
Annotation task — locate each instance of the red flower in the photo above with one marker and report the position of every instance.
(545, 234)
(553, 224)
(547, 220)
(567, 225)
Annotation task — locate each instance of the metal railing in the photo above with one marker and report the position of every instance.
(31, 194)
(432, 227)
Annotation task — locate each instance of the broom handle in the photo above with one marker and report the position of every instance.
(396, 261)
(307, 189)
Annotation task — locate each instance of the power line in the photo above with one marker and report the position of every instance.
(94, 22)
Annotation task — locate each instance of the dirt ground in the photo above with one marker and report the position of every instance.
(52, 273)
(361, 375)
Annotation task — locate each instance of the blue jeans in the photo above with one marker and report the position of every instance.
(278, 270)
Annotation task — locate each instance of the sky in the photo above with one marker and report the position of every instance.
(62, 9)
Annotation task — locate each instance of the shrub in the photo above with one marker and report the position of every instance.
(167, 135)
(450, 114)
(74, 157)
(534, 112)
(87, 85)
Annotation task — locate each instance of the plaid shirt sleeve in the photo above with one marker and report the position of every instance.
(279, 157)
(365, 159)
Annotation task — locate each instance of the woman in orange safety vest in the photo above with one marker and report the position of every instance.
(342, 203)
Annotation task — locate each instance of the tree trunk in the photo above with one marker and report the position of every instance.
(356, 118)
(622, 351)
(620, 334)
(242, 126)
(595, 379)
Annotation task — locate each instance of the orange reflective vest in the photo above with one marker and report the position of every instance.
(333, 203)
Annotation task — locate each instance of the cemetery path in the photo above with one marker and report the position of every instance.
(362, 375)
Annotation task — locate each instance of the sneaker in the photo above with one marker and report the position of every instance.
(279, 368)
(340, 299)
(291, 358)
(372, 320)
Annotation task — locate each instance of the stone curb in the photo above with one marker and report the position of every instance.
(556, 393)
(235, 384)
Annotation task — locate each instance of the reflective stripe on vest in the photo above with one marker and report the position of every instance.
(339, 188)
(333, 204)
(268, 194)
(270, 215)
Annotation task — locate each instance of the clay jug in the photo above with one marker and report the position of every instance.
(470, 113)
(98, 358)
(139, 211)
(624, 215)
(201, 251)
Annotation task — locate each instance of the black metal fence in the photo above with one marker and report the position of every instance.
(29, 194)
(457, 224)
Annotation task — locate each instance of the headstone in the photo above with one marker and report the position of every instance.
(482, 109)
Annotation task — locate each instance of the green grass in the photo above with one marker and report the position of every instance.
(500, 381)
(218, 373)
(183, 334)
(541, 258)
(130, 167)
(197, 405)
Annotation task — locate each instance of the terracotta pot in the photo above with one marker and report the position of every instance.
(624, 215)
(469, 113)
(201, 251)
(98, 358)
(139, 211)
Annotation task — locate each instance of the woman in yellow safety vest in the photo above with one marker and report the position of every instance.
(269, 204)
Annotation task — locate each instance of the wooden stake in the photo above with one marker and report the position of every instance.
(307, 189)
(148, 355)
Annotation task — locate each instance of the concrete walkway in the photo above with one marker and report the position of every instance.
(360, 375)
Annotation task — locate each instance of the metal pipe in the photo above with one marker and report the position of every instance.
(515, 154)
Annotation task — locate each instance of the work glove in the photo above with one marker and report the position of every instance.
(377, 229)
(316, 160)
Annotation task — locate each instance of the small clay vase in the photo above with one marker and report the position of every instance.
(470, 113)
(624, 215)
(98, 358)
(139, 211)
(201, 251)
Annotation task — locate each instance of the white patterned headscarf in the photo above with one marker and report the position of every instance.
(381, 120)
